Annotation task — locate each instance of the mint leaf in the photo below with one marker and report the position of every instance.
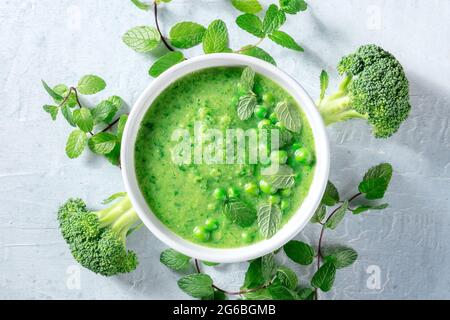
(331, 195)
(83, 119)
(186, 35)
(239, 212)
(117, 102)
(254, 276)
(63, 91)
(320, 214)
(273, 19)
(283, 178)
(368, 207)
(293, 6)
(76, 143)
(335, 219)
(288, 115)
(91, 84)
(252, 24)
(287, 277)
(324, 81)
(246, 106)
(141, 5)
(216, 37)
(248, 79)
(376, 181)
(262, 294)
(285, 40)
(121, 126)
(340, 257)
(165, 62)
(102, 143)
(67, 113)
(257, 53)
(197, 285)
(280, 292)
(103, 112)
(299, 252)
(114, 156)
(52, 110)
(269, 220)
(323, 279)
(113, 197)
(142, 38)
(248, 6)
(51, 92)
(174, 260)
(305, 294)
(268, 267)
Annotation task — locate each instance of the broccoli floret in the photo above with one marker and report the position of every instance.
(97, 240)
(375, 88)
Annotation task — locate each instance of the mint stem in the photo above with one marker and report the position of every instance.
(155, 11)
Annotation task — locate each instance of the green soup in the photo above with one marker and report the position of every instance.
(200, 202)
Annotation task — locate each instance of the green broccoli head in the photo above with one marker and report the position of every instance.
(375, 88)
(97, 240)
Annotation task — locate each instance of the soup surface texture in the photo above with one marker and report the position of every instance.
(220, 205)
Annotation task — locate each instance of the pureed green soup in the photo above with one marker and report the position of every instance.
(219, 204)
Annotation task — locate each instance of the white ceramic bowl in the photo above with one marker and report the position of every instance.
(298, 220)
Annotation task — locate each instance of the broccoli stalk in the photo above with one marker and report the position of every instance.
(374, 88)
(97, 240)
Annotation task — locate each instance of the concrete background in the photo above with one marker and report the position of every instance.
(404, 250)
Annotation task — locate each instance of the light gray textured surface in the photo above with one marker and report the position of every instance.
(61, 40)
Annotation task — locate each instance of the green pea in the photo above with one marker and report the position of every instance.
(302, 155)
(263, 123)
(211, 224)
(286, 192)
(285, 204)
(268, 98)
(274, 199)
(201, 233)
(251, 188)
(233, 192)
(260, 112)
(220, 194)
(279, 156)
(267, 187)
(273, 118)
(296, 146)
(246, 237)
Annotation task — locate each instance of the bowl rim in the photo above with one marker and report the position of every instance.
(298, 220)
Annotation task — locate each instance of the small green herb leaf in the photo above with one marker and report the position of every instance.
(246, 106)
(293, 6)
(365, 208)
(287, 277)
(323, 279)
(141, 5)
(248, 6)
(67, 113)
(252, 24)
(76, 143)
(52, 110)
(288, 115)
(197, 285)
(254, 277)
(299, 252)
(324, 82)
(104, 111)
(273, 19)
(269, 220)
(174, 260)
(305, 294)
(117, 103)
(257, 53)
(113, 197)
(216, 37)
(102, 143)
(319, 215)
(248, 79)
(376, 181)
(268, 267)
(280, 292)
(83, 119)
(186, 35)
(63, 91)
(282, 178)
(91, 84)
(285, 40)
(51, 92)
(142, 38)
(262, 294)
(331, 195)
(121, 126)
(165, 62)
(335, 219)
(239, 212)
(340, 257)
